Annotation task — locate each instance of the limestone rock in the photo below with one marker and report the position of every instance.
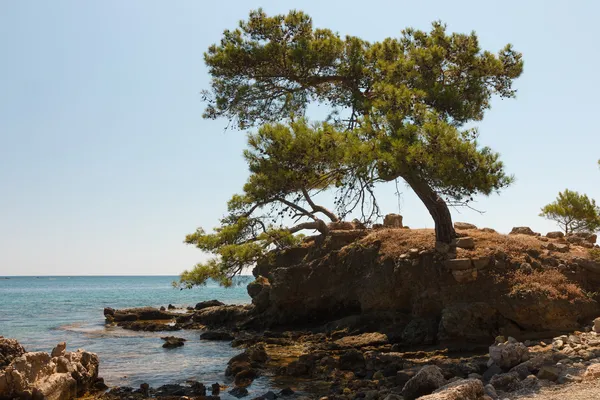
(59, 350)
(459, 264)
(463, 225)
(507, 355)
(428, 379)
(392, 221)
(172, 342)
(549, 373)
(596, 327)
(592, 372)
(555, 235)
(462, 389)
(39, 375)
(522, 230)
(505, 382)
(209, 303)
(9, 349)
(365, 339)
(465, 243)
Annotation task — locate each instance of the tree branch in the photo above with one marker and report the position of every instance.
(318, 208)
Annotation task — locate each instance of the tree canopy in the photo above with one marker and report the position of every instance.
(397, 110)
(573, 212)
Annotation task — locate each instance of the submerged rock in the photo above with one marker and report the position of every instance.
(172, 342)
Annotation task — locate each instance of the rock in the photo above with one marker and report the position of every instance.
(579, 241)
(461, 389)
(59, 350)
(138, 314)
(596, 327)
(522, 230)
(392, 221)
(491, 371)
(172, 342)
(209, 303)
(465, 243)
(286, 392)
(37, 374)
(215, 389)
(459, 264)
(352, 360)
(555, 235)
(9, 350)
(505, 382)
(463, 225)
(428, 379)
(561, 248)
(507, 355)
(592, 372)
(465, 276)
(259, 291)
(491, 391)
(171, 307)
(549, 373)
(366, 339)
(523, 369)
(245, 377)
(238, 392)
(586, 236)
(145, 389)
(269, 396)
(216, 336)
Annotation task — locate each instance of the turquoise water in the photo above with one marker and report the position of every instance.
(41, 312)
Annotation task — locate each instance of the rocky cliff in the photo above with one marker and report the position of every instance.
(395, 281)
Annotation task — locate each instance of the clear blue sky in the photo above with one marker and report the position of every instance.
(106, 163)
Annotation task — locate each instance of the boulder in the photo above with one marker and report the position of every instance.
(522, 230)
(209, 303)
(587, 236)
(39, 375)
(596, 327)
(59, 350)
(9, 349)
(238, 392)
(509, 354)
(172, 342)
(462, 389)
(463, 225)
(549, 373)
(465, 243)
(505, 382)
(217, 336)
(392, 221)
(428, 379)
(365, 339)
(558, 247)
(468, 275)
(555, 235)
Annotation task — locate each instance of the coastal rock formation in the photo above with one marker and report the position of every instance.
(172, 342)
(137, 314)
(39, 375)
(9, 349)
(392, 281)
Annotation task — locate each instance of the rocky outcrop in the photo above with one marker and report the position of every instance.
(38, 375)
(209, 303)
(429, 297)
(9, 349)
(137, 314)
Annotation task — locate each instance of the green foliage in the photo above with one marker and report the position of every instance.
(573, 212)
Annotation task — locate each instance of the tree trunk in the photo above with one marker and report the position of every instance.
(437, 207)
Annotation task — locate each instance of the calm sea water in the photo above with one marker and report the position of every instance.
(41, 312)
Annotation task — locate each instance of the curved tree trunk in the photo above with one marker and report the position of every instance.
(437, 207)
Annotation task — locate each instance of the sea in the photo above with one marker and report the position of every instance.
(42, 311)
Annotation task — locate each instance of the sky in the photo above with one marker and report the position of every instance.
(106, 163)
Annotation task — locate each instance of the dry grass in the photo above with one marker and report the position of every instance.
(550, 282)
(395, 242)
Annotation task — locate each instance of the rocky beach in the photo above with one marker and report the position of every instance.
(379, 314)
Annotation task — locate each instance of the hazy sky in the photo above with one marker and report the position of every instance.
(106, 163)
